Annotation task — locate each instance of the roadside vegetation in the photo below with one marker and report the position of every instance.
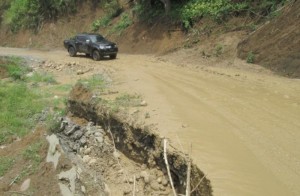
(32, 14)
(23, 103)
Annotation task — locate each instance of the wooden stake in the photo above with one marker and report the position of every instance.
(168, 168)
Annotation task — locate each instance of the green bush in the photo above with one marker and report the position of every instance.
(217, 9)
(30, 14)
(250, 57)
(123, 23)
(100, 23)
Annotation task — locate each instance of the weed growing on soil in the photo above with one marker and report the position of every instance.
(128, 100)
(42, 78)
(18, 105)
(5, 164)
(101, 23)
(96, 82)
(219, 49)
(31, 155)
(123, 101)
(124, 22)
(62, 87)
(250, 57)
(14, 67)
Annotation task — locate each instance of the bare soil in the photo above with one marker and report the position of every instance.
(276, 44)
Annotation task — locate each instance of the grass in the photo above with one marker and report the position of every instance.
(5, 164)
(124, 101)
(14, 66)
(32, 156)
(42, 78)
(96, 82)
(19, 106)
(22, 104)
(31, 153)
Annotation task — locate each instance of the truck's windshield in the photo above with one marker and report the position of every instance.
(96, 38)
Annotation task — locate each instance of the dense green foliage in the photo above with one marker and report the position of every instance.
(32, 13)
(216, 9)
(124, 22)
(191, 11)
(112, 10)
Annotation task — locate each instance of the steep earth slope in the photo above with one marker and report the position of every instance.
(276, 45)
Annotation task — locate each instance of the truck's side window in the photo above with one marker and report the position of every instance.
(81, 38)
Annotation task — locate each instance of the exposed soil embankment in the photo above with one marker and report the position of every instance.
(276, 45)
(138, 143)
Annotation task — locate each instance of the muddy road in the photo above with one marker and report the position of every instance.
(243, 123)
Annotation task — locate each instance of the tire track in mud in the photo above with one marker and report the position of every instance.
(260, 145)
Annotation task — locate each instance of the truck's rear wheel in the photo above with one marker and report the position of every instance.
(72, 51)
(96, 55)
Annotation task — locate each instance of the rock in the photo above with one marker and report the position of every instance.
(76, 147)
(145, 176)
(98, 134)
(92, 161)
(87, 151)
(162, 188)
(116, 155)
(77, 135)
(120, 171)
(80, 72)
(143, 103)
(99, 139)
(86, 158)
(63, 125)
(143, 167)
(110, 162)
(159, 180)
(130, 180)
(83, 190)
(72, 130)
(154, 185)
(106, 190)
(25, 185)
(127, 190)
(164, 182)
(83, 141)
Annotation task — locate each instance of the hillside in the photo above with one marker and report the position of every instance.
(276, 44)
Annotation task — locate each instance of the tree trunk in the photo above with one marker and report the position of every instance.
(167, 4)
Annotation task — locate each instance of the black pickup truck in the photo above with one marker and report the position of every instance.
(93, 45)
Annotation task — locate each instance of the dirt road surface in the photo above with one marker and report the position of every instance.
(243, 123)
